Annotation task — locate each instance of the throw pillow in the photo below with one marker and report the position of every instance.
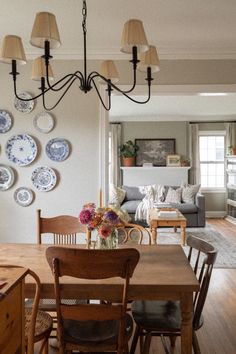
(189, 192)
(173, 195)
(116, 195)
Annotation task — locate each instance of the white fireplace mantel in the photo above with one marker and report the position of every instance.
(172, 176)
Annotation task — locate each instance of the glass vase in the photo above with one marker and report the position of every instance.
(109, 242)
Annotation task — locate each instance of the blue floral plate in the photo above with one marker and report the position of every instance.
(21, 149)
(44, 179)
(5, 121)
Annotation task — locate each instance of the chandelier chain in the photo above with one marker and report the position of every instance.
(84, 14)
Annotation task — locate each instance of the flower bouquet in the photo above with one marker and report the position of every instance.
(105, 221)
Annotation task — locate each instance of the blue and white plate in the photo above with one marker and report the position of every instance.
(21, 149)
(57, 149)
(6, 177)
(23, 196)
(24, 106)
(5, 121)
(44, 178)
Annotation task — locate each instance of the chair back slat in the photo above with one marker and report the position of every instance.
(92, 312)
(64, 228)
(206, 256)
(134, 233)
(106, 267)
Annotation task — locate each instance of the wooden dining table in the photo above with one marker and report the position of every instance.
(163, 273)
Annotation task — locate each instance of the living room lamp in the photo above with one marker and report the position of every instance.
(45, 35)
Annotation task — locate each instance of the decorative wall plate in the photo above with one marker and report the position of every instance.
(43, 122)
(23, 196)
(6, 177)
(44, 179)
(21, 149)
(5, 121)
(24, 106)
(57, 149)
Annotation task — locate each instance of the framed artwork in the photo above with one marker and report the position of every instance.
(154, 151)
(173, 160)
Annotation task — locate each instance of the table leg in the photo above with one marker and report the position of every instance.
(154, 235)
(187, 323)
(183, 235)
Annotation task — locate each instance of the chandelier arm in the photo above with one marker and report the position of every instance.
(107, 108)
(59, 100)
(27, 99)
(69, 76)
(95, 74)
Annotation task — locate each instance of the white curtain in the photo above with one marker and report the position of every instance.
(230, 135)
(115, 172)
(194, 154)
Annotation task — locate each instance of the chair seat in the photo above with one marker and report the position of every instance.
(94, 332)
(43, 324)
(161, 315)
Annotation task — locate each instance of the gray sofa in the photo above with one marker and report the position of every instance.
(194, 213)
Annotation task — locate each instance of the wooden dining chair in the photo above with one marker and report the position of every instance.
(93, 327)
(133, 233)
(61, 229)
(163, 318)
(38, 324)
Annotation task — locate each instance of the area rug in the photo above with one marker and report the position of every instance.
(226, 257)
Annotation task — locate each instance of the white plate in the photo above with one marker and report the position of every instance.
(21, 149)
(57, 149)
(6, 177)
(24, 106)
(44, 179)
(43, 122)
(5, 121)
(23, 196)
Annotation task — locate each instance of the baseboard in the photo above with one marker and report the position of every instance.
(215, 214)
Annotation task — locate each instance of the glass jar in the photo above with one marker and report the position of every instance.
(109, 242)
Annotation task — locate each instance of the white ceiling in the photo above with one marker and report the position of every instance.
(179, 28)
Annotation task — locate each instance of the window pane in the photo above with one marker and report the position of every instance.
(212, 150)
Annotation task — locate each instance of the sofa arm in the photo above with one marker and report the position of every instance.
(200, 203)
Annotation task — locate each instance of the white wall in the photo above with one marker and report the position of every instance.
(77, 121)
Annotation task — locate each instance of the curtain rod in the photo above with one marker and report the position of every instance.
(213, 121)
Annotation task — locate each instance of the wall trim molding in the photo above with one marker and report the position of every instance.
(215, 214)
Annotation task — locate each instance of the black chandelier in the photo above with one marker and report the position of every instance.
(45, 35)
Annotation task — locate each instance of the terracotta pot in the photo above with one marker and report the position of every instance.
(128, 161)
(234, 151)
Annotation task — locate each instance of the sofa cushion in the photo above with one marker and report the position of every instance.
(131, 206)
(133, 193)
(116, 195)
(185, 208)
(173, 195)
(189, 192)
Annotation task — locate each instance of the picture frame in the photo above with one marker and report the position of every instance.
(173, 160)
(154, 151)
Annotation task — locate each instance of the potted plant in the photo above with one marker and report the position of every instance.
(232, 150)
(128, 152)
(184, 161)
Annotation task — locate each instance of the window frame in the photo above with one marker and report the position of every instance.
(213, 133)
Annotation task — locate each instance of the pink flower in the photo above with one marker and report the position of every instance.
(105, 231)
(85, 216)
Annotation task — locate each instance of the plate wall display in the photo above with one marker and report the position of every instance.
(44, 178)
(23, 196)
(5, 121)
(57, 149)
(24, 106)
(21, 149)
(6, 177)
(43, 122)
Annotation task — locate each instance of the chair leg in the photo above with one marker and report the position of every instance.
(196, 347)
(147, 343)
(135, 340)
(172, 341)
(163, 340)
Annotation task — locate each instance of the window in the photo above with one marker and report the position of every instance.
(212, 165)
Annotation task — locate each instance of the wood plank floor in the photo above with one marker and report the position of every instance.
(218, 335)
